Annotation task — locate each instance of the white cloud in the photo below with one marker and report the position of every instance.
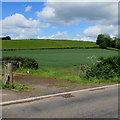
(93, 31)
(58, 35)
(72, 12)
(100, 14)
(17, 26)
(65, 36)
(28, 8)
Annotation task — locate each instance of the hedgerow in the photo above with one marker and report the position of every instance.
(25, 62)
(105, 68)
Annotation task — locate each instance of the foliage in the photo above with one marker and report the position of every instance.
(113, 43)
(16, 86)
(25, 62)
(103, 45)
(6, 38)
(100, 39)
(71, 74)
(45, 44)
(104, 41)
(118, 43)
(105, 68)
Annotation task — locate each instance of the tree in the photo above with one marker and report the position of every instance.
(100, 39)
(105, 39)
(113, 43)
(108, 40)
(118, 43)
(6, 38)
(103, 45)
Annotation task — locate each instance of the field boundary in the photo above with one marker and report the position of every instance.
(51, 48)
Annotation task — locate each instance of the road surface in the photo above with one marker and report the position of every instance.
(101, 103)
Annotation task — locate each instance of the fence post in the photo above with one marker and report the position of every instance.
(5, 74)
(19, 64)
(10, 76)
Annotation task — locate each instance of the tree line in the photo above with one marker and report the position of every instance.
(6, 38)
(104, 41)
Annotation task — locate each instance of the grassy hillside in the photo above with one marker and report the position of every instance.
(59, 58)
(43, 44)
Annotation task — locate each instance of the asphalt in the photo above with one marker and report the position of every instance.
(12, 95)
(94, 103)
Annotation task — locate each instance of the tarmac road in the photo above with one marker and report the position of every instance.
(99, 103)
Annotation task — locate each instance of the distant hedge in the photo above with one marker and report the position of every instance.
(25, 62)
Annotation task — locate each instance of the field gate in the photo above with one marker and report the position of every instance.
(7, 71)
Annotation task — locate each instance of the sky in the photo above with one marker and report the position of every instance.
(81, 21)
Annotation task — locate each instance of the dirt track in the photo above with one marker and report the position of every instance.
(43, 86)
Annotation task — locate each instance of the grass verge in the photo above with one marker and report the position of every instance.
(15, 86)
(70, 75)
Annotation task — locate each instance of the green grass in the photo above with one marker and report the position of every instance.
(63, 75)
(45, 44)
(59, 58)
(16, 86)
(115, 49)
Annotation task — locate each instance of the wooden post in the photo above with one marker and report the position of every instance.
(10, 76)
(4, 80)
(19, 64)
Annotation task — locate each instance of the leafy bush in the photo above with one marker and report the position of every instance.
(105, 68)
(24, 62)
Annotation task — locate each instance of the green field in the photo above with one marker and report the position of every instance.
(60, 58)
(45, 44)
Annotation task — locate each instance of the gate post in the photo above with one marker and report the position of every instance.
(5, 74)
(10, 76)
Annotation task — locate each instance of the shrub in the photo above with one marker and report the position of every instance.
(25, 62)
(105, 68)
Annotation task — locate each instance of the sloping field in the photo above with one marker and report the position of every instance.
(45, 44)
(59, 58)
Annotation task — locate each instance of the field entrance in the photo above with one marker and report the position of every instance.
(60, 58)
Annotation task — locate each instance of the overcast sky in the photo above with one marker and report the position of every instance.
(59, 20)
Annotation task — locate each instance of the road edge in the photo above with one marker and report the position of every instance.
(52, 95)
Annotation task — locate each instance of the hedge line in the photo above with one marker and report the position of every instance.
(105, 68)
(25, 62)
(52, 48)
